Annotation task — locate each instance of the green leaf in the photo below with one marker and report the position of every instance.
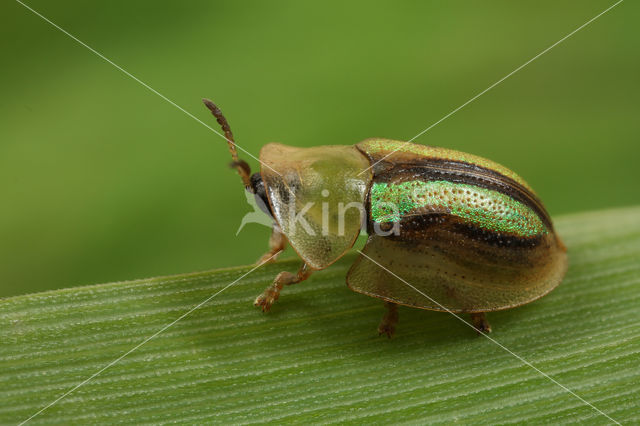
(317, 356)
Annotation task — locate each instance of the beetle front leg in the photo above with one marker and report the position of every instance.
(277, 243)
(271, 294)
(389, 320)
(480, 322)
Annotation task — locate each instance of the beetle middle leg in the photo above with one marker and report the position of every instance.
(271, 293)
(277, 243)
(389, 320)
(480, 323)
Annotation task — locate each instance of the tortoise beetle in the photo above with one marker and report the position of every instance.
(466, 231)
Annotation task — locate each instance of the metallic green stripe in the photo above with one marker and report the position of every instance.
(482, 207)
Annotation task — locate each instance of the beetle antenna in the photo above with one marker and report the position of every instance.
(240, 165)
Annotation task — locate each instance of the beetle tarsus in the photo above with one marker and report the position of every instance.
(480, 323)
(267, 298)
(272, 293)
(389, 320)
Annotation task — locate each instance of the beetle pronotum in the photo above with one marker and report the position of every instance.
(466, 231)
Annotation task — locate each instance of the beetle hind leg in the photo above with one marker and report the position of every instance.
(277, 243)
(389, 320)
(480, 323)
(271, 293)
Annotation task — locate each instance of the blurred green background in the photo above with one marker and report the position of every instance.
(102, 180)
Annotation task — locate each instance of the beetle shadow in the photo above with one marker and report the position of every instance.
(350, 325)
(433, 327)
(416, 329)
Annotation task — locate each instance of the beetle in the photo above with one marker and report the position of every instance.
(447, 231)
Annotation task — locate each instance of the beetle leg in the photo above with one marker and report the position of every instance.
(271, 293)
(277, 243)
(480, 323)
(389, 320)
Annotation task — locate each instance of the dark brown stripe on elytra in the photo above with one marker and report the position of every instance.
(416, 228)
(460, 172)
(497, 239)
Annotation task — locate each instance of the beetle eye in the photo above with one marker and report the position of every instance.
(256, 183)
(260, 193)
(263, 204)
